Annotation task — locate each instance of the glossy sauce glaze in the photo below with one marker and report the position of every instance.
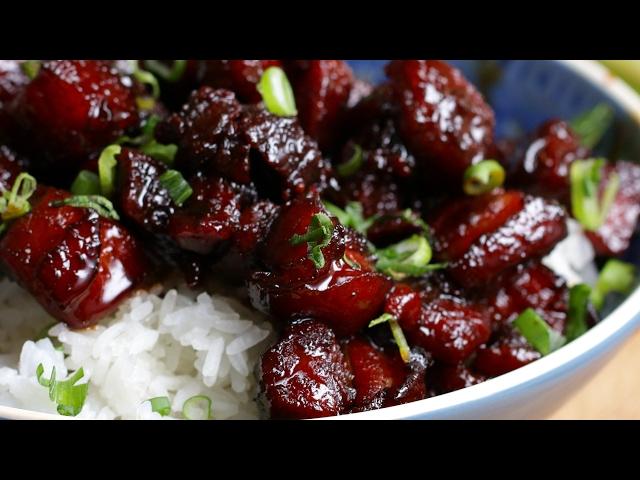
(349, 223)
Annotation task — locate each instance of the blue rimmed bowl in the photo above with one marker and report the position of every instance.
(523, 94)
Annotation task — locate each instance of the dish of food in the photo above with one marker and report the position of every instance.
(284, 239)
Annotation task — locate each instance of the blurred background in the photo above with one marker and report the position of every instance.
(614, 392)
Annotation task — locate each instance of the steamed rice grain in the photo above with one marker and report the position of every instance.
(177, 344)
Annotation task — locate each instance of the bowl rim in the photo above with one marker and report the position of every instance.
(619, 323)
(623, 320)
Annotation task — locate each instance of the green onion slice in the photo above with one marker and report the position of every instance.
(160, 152)
(415, 219)
(146, 78)
(14, 203)
(197, 408)
(149, 145)
(100, 204)
(593, 124)
(160, 405)
(277, 93)
(317, 236)
(353, 165)
(578, 311)
(408, 258)
(86, 183)
(588, 206)
(31, 68)
(538, 332)
(483, 177)
(107, 169)
(179, 189)
(146, 104)
(616, 276)
(352, 216)
(171, 74)
(398, 334)
(67, 394)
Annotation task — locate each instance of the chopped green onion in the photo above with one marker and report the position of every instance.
(384, 318)
(179, 189)
(145, 103)
(408, 258)
(616, 276)
(31, 68)
(67, 394)
(44, 333)
(160, 152)
(86, 183)
(398, 334)
(160, 405)
(101, 205)
(353, 165)
(277, 93)
(352, 216)
(578, 311)
(415, 219)
(317, 236)
(171, 74)
(146, 78)
(149, 145)
(483, 177)
(538, 332)
(197, 408)
(14, 203)
(107, 169)
(352, 263)
(588, 207)
(593, 124)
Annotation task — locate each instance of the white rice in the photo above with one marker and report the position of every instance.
(178, 344)
(573, 258)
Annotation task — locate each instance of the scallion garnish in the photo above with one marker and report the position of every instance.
(353, 165)
(159, 151)
(107, 169)
(171, 74)
(277, 93)
(588, 206)
(197, 408)
(483, 177)
(396, 331)
(31, 68)
(352, 216)
(178, 188)
(86, 183)
(149, 145)
(146, 103)
(538, 332)
(415, 219)
(44, 333)
(67, 394)
(616, 276)
(14, 203)
(408, 258)
(593, 124)
(100, 204)
(578, 311)
(160, 405)
(317, 236)
(146, 78)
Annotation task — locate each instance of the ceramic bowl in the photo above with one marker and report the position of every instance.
(524, 94)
